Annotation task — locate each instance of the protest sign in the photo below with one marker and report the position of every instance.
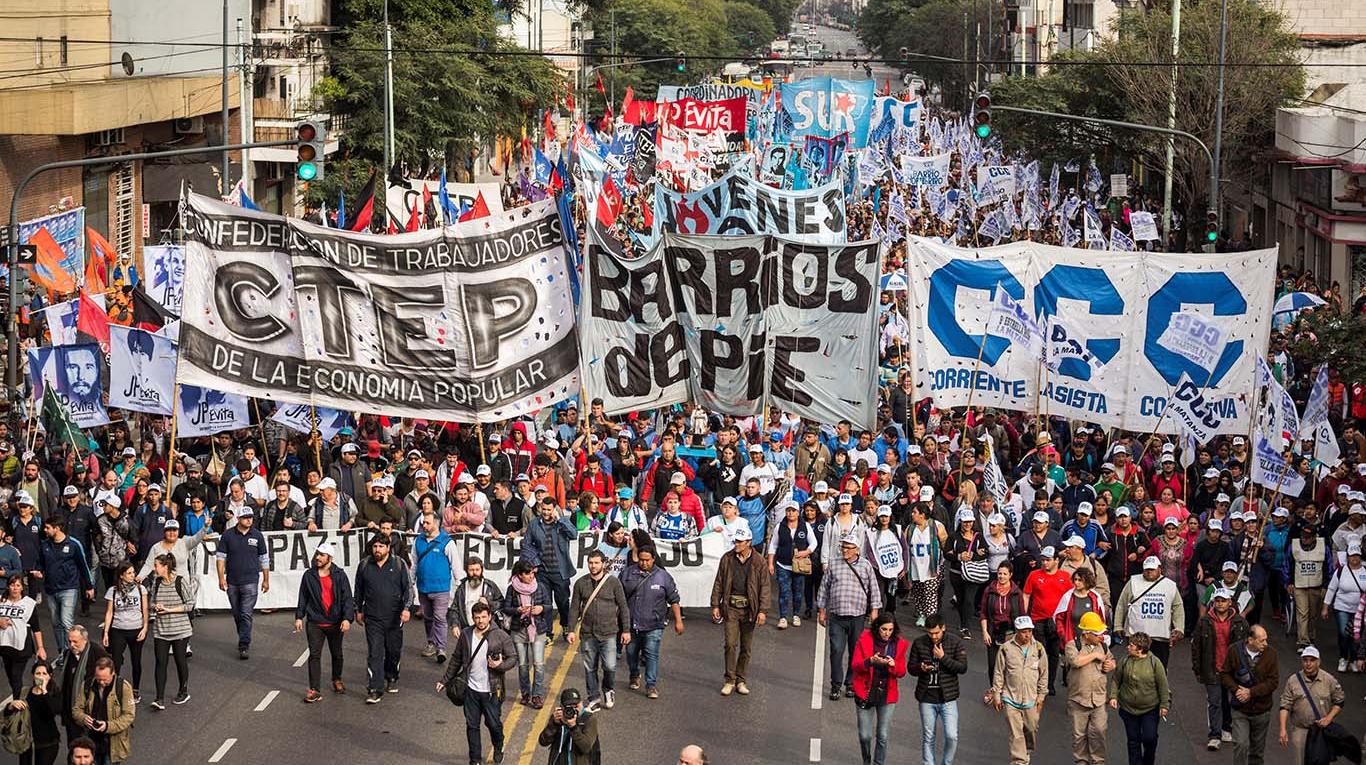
(738, 204)
(68, 231)
(471, 321)
(165, 269)
(999, 179)
(61, 319)
(204, 412)
(691, 563)
(1271, 471)
(1193, 412)
(826, 107)
(76, 374)
(723, 321)
(1116, 305)
(1144, 226)
(1119, 185)
(301, 418)
(1194, 336)
(1010, 320)
(931, 172)
(141, 370)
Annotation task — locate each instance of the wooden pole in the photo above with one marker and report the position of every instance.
(316, 436)
(170, 437)
(483, 447)
(261, 431)
(972, 388)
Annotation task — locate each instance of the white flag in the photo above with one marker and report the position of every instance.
(1270, 470)
(141, 370)
(1011, 320)
(1316, 407)
(1196, 337)
(204, 412)
(1064, 343)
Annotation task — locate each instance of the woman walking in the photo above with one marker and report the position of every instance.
(789, 559)
(1138, 689)
(1002, 602)
(125, 623)
(171, 631)
(526, 603)
(925, 543)
(21, 634)
(970, 569)
(879, 662)
(44, 704)
(887, 550)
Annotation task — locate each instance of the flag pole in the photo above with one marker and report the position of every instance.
(261, 430)
(972, 388)
(316, 436)
(170, 443)
(483, 447)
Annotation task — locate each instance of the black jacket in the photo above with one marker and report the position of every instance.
(310, 605)
(455, 614)
(382, 592)
(954, 663)
(499, 642)
(579, 744)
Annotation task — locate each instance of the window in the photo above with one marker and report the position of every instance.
(64, 51)
(38, 53)
(1080, 15)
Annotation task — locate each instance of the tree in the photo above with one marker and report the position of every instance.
(658, 29)
(1327, 336)
(750, 27)
(938, 35)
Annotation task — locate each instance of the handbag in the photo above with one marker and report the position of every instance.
(801, 566)
(976, 571)
(455, 689)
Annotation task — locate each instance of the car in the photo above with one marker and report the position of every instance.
(851, 52)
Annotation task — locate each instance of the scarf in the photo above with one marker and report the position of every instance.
(526, 593)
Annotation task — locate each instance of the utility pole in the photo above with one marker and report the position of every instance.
(225, 181)
(614, 52)
(1219, 110)
(244, 106)
(388, 106)
(1171, 125)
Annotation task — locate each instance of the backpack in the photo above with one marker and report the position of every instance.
(16, 731)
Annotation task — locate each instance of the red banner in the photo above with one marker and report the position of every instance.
(690, 114)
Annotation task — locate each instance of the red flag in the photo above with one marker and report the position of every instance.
(479, 210)
(606, 125)
(548, 128)
(602, 89)
(628, 100)
(392, 229)
(414, 220)
(609, 203)
(648, 215)
(367, 210)
(569, 98)
(428, 211)
(92, 321)
(102, 257)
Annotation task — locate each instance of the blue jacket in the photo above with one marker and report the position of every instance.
(752, 510)
(512, 601)
(10, 562)
(1093, 534)
(561, 533)
(431, 566)
(64, 566)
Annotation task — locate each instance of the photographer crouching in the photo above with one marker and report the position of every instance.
(572, 732)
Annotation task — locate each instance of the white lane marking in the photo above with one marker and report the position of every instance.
(266, 701)
(223, 750)
(303, 657)
(815, 750)
(817, 669)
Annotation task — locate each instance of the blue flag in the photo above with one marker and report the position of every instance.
(448, 210)
(542, 166)
(245, 200)
(341, 208)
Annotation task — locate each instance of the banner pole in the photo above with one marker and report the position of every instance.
(483, 447)
(261, 431)
(973, 389)
(316, 437)
(170, 443)
(1152, 435)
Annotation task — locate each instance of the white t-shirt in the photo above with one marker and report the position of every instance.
(867, 455)
(479, 664)
(127, 607)
(727, 528)
(257, 488)
(766, 473)
(19, 613)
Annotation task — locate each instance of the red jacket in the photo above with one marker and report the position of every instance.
(600, 484)
(1158, 482)
(691, 504)
(863, 671)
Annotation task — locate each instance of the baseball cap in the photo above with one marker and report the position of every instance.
(1167, 457)
(1083, 430)
(1356, 509)
(415, 453)
(1170, 521)
(246, 512)
(1024, 622)
(1107, 467)
(1239, 441)
(1212, 473)
(965, 514)
(884, 468)
(1074, 541)
(483, 470)
(373, 449)
(1353, 548)
(327, 483)
(849, 539)
(171, 524)
(926, 493)
(732, 501)
(776, 435)
(551, 442)
(1214, 525)
(1120, 449)
(422, 474)
(625, 493)
(570, 696)
(756, 449)
(1280, 512)
(1048, 552)
(349, 448)
(522, 477)
(678, 478)
(941, 438)
(1084, 508)
(156, 487)
(129, 452)
(24, 498)
(1151, 563)
(1309, 652)
(1223, 592)
(1124, 511)
(327, 549)
(494, 438)
(884, 510)
(1040, 517)
(1356, 496)
(70, 491)
(846, 499)
(996, 519)
(913, 449)
(742, 534)
(820, 487)
(1222, 498)
(1230, 566)
(110, 499)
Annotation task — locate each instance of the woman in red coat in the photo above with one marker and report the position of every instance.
(879, 660)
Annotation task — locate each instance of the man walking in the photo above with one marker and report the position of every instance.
(1250, 676)
(1088, 665)
(739, 597)
(1219, 628)
(482, 654)
(937, 659)
(848, 599)
(241, 558)
(650, 592)
(1310, 698)
(1151, 603)
(434, 560)
(603, 615)
(1020, 687)
(384, 589)
(324, 612)
(550, 536)
(65, 574)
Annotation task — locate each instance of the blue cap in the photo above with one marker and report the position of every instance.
(347, 431)
(776, 435)
(625, 493)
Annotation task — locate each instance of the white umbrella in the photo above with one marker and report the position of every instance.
(893, 283)
(1295, 302)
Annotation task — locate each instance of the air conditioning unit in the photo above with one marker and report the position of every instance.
(112, 137)
(189, 125)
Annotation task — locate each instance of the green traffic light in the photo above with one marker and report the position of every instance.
(307, 171)
(1212, 236)
(984, 131)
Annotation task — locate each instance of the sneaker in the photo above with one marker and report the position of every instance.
(834, 692)
(137, 697)
(741, 688)
(429, 651)
(158, 704)
(338, 686)
(782, 625)
(1226, 736)
(1342, 665)
(965, 633)
(189, 649)
(312, 697)
(635, 683)
(373, 697)
(524, 699)
(652, 692)
(537, 702)
(848, 691)
(440, 657)
(1213, 745)
(497, 756)
(242, 654)
(796, 621)
(391, 686)
(727, 689)
(181, 698)
(609, 699)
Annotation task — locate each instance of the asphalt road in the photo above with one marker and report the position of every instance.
(251, 712)
(836, 40)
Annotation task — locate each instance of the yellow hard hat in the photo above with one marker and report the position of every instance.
(1091, 622)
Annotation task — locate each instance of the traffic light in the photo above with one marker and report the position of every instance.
(310, 136)
(904, 54)
(680, 62)
(981, 115)
(1212, 226)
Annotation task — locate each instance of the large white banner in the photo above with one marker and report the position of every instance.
(141, 370)
(739, 204)
(695, 318)
(1119, 305)
(471, 321)
(204, 412)
(692, 564)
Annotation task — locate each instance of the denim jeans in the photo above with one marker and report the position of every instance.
(879, 716)
(843, 631)
(1141, 732)
(434, 606)
(482, 706)
(530, 654)
(791, 588)
(648, 644)
(597, 653)
(930, 715)
(242, 600)
(1219, 713)
(1346, 645)
(62, 605)
(559, 591)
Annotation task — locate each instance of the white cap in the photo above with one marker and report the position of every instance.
(465, 478)
(1110, 466)
(996, 519)
(926, 493)
(1354, 548)
(965, 514)
(1048, 552)
(1361, 468)
(1168, 448)
(1223, 592)
(1344, 488)
(1074, 541)
(1024, 622)
(913, 449)
(820, 487)
(1212, 473)
(483, 470)
(1120, 449)
(1356, 496)
(349, 448)
(756, 449)
(1040, 517)
(678, 478)
(731, 501)
(424, 474)
(1083, 430)
(1280, 512)
(1356, 509)
(1214, 525)
(327, 483)
(1123, 510)
(1151, 563)
(1309, 652)
(1222, 498)
(846, 499)
(741, 533)
(327, 549)
(1239, 441)
(128, 451)
(1170, 521)
(551, 442)
(884, 468)
(1084, 508)
(1168, 457)
(23, 498)
(1230, 566)
(884, 510)
(850, 539)
(109, 498)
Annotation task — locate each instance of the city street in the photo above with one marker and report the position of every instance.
(251, 712)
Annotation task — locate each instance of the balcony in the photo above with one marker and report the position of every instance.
(274, 119)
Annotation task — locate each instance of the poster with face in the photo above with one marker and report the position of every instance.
(166, 271)
(76, 375)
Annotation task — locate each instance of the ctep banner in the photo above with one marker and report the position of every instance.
(725, 321)
(691, 563)
(1118, 305)
(470, 321)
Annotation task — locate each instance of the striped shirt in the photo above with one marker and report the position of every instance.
(170, 626)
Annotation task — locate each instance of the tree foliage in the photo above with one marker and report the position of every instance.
(658, 29)
(750, 27)
(937, 33)
(1329, 337)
